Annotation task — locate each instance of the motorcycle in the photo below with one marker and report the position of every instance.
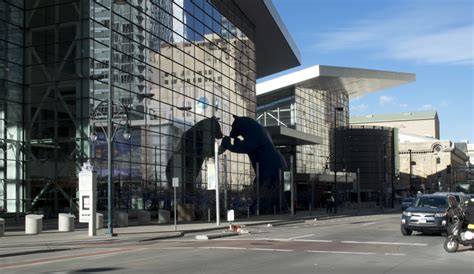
(458, 232)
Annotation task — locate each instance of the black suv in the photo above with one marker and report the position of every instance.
(426, 214)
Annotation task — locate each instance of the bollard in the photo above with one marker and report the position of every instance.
(164, 216)
(248, 211)
(274, 209)
(208, 215)
(33, 224)
(310, 209)
(99, 223)
(65, 222)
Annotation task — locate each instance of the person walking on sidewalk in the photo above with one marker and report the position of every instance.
(329, 204)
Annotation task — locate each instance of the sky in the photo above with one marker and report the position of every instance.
(430, 38)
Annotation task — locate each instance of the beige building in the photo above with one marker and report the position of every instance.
(422, 123)
(435, 163)
(432, 165)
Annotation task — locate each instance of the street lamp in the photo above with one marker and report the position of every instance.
(336, 109)
(120, 111)
(110, 132)
(409, 178)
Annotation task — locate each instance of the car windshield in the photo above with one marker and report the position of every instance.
(433, 202)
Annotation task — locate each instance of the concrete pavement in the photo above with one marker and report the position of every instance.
(15, 236)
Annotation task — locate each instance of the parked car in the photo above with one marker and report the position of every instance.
(406, 202)
(427, 213)
(463, 199)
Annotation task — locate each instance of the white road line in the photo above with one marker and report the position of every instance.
(173, 247)
(286, 240)
(382, 243)
(298, 237)
(341, 252)
(371, 223)
(271, 249)
(315, 241)
(395, 254)
(222, 247)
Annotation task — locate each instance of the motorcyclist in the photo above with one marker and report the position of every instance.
(469, 213)
(455, 215)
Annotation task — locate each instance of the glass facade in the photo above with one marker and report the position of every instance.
(310, 111)
(174, 64)
(12, 41)
(371, 151)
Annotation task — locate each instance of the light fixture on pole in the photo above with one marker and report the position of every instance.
(114, 112)
(336, 109)
(110, 187)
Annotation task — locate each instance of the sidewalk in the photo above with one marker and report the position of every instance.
(50, 235)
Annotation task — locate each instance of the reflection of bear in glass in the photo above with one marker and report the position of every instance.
(196, 145)
(250, 137)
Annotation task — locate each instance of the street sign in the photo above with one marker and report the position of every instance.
(211, 175)
(230, 215)
(87, 192)
(88, 197)
(175, 182)
(286, 180)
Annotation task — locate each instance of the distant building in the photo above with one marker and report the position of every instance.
(469, 149)
(422, 123)
(434, 166)
(307, 114)
(372, 154)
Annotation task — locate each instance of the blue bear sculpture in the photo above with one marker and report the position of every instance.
(250, 137)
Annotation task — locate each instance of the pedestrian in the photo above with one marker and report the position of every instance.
(333, 204)
(329, 204)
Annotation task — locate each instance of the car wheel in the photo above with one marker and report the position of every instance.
(451, 245)
(405, 231)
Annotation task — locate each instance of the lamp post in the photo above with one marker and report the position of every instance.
(110, 131)
(118, 112)
(336, 109)
(409, 178)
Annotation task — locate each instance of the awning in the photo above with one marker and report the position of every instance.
(285, 136)
(341, 177)
(356, 82)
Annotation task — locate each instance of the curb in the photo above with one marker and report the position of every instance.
(216, 235)
(95, 240)
(286, 223)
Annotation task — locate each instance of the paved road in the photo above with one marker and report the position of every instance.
(361, 244)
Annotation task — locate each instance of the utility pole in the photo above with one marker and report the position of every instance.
(409, 178)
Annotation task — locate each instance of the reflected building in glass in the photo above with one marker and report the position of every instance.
(175, 65)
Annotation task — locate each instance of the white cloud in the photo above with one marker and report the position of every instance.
(426, 107)
(439, 33)
(403, 105)
(385, 100)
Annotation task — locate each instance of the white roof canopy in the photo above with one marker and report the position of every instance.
(356, 82)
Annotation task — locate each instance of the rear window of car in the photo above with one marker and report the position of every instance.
(435, 202)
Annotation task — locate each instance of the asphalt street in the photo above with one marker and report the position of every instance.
(357, 244)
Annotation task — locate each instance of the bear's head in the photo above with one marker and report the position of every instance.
(210, 126)
(242, 126)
